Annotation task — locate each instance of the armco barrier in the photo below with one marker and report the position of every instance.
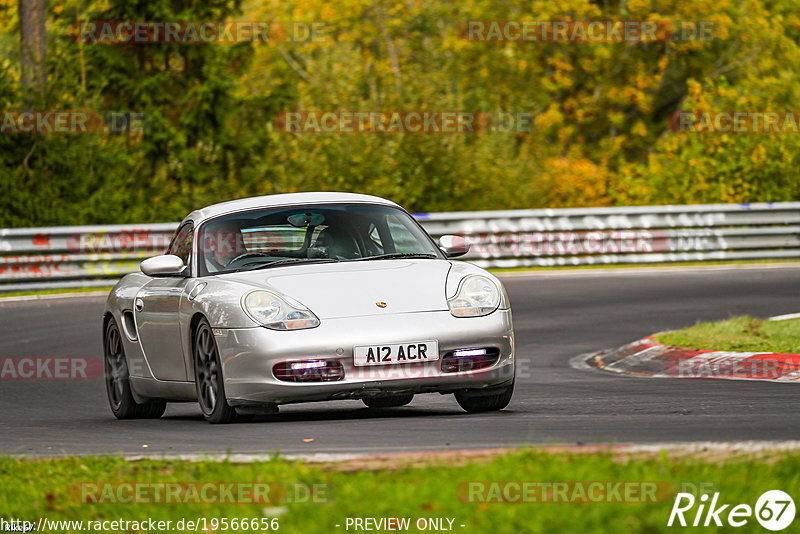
(85, 256)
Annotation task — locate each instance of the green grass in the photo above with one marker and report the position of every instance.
(54, 291)
(642, 265)
(30, 489)
(744, 334)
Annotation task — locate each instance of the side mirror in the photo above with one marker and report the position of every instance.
(453, 245)
(166, 265)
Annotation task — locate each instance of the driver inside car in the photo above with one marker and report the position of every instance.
(336, 243)
(223, 244)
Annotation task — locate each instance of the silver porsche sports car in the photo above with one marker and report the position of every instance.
(305, 297)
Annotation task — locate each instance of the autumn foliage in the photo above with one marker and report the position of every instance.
(599, 133)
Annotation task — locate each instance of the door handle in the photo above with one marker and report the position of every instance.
(139, 304)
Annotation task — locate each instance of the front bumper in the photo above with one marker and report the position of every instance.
(248, 356)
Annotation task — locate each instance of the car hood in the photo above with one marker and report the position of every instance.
(350, 289)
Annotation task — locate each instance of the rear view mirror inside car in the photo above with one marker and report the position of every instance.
(301, 220)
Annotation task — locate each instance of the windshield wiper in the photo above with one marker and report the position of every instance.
(285, 262)
(393, 255)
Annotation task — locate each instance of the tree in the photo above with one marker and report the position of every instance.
(33, 44)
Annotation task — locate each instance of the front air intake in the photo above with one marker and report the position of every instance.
(466, 360)
(309, 371)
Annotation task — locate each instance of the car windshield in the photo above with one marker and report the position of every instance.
(283, 236)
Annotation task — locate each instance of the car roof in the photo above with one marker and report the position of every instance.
(285, 199)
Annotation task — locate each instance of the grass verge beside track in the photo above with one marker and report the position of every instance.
(52, 488)
(675, 264)
(740, 334)
(64, 291)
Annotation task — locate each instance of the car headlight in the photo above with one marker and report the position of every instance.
(276, 312)
(477, 295)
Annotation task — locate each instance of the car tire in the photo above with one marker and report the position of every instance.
(208, 377)
(485, 400)
(393, 401)
(117, 379)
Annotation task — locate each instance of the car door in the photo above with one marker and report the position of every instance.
(156, 309)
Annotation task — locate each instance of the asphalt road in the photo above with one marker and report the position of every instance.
(556, 316)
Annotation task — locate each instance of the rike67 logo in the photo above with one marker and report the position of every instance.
(774, 510)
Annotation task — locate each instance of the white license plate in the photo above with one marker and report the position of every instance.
(414, 352)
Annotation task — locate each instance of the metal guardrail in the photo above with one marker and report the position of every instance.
(87, 256)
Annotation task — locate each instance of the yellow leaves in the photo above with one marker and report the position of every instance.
(759, 154)
(576, 181)
(562, 74)
(548, 119)
(558, 64)
(617, 118)
(571, 106)
(599, 99)
(637, 96)
(602, 52)
(456, 44)
(639, 7)
(585, 114)
(695, 89)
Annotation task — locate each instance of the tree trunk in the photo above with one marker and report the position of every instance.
(33, 44)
